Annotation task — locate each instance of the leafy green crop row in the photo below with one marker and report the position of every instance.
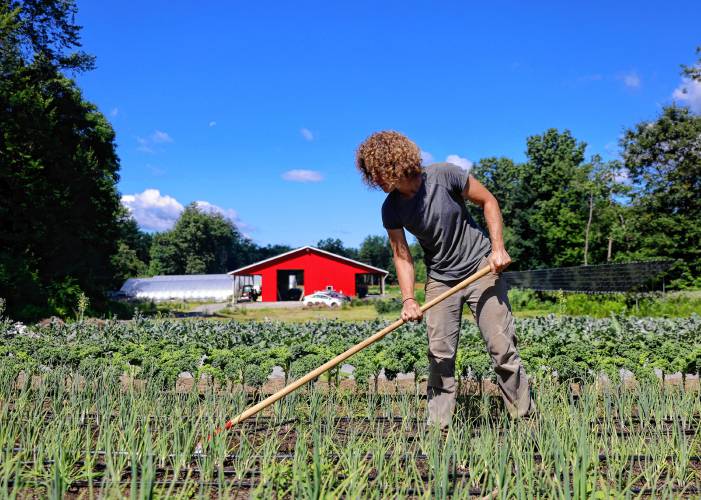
(245, 353)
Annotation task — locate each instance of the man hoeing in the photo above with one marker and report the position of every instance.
(430, 203)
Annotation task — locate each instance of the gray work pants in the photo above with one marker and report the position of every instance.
(489, 303)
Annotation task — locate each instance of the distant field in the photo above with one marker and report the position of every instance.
(357, 313)
(525, 304)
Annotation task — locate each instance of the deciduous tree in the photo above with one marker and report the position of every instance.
(199, 243)
(59, 206)
(663, 159)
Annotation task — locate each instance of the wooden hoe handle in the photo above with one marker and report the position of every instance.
(347, 354)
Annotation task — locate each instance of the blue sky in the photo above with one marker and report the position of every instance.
(256, 109)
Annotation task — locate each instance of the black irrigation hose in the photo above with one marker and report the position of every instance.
(476, 431)
(249, 422)
(602, 457)
(82, 483)
(247, 484)
(690, 490)
(265, 423)
(270, 421)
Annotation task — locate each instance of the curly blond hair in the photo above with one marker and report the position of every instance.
(388, 156)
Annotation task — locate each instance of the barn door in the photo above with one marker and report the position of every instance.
(290, 284)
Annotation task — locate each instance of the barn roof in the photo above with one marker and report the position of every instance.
(240, 270)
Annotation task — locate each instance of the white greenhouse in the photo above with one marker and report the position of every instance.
(215, 287)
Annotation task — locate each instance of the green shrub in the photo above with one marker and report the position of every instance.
(64, 296)
(675, 304)
(523, 299)
(388, 305)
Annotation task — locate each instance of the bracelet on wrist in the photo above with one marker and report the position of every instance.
(409, 298)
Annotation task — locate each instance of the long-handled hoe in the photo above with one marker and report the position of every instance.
(339, 359)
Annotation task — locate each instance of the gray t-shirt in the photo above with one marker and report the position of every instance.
(453, 243)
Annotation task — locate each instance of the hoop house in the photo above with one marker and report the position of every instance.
(219, 287)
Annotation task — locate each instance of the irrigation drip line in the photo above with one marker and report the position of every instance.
(252, 399)
(691, 490)
(100, 483)
(495, 414)
(280, 456)
(245, 423)
(687, 431)
(475, 431)
(264, 422)
(248, 484)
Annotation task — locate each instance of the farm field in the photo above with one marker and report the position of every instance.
(174, 202)
(93, 438)
(94, 409)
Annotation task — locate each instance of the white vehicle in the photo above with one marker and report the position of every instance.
(322, 299)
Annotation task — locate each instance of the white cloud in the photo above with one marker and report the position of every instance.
(307, 134)
(212, 124)
(156, 212)
(302, 176)
(631, 80)
(689, 92)
(144, 145)
(153, 211)
(461, 162)
(426, 157)
(114, 112)
(160, 137)
(229, 213)
(148, 144)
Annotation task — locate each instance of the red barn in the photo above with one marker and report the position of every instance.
(309, 269)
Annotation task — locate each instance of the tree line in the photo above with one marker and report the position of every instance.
(65, 234)
(561, 209)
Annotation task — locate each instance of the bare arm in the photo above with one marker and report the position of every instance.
(404, 263)
(480, 195)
